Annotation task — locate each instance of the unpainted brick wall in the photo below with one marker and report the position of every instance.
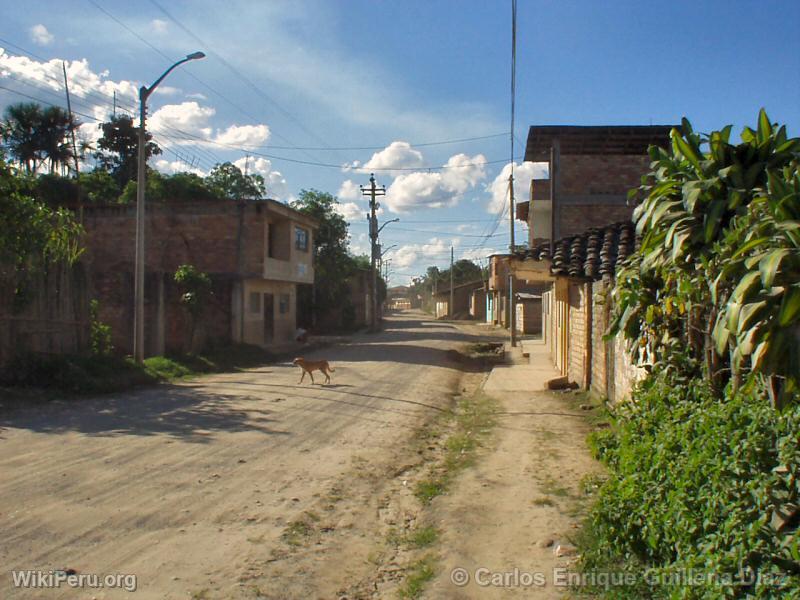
(574, 219)
(600, 348)
(577, 333)
(601, 173)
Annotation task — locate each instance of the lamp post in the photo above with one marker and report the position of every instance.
(138, 282)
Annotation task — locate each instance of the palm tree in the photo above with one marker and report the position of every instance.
(54, 137)
(20, 133)
(35, 136)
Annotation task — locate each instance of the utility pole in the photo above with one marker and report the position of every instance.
(74, 145)
(451, 311)
(512, 314)
(373, 191)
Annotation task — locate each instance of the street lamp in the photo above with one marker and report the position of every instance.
(138, 282)
(385, 224)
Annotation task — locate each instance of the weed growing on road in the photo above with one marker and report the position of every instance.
(419, 573)
(469, 423)
(298, 532)
(422, 537)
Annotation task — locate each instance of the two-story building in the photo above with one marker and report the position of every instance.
(255, 252)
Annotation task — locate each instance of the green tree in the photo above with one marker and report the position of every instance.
(99, 187)
(118, 149)
(226, 180)
(196, 288)
(31, 236)
(332, 262)
(714, 288)
(36, 136)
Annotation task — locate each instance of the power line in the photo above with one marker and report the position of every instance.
(412, 144)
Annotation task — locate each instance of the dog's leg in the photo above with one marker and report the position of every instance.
(327, 377)
(311, 374)
(303, 376)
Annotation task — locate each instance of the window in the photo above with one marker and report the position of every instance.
(301, 239)
(255, 302)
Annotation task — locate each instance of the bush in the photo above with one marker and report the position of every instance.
(693, 483)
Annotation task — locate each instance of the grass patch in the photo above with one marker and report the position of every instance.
(421, 537)
(552, 488)
(298, 532)
(543, 501)
(417, 576)
(469, 423)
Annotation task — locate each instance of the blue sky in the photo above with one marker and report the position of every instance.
(320, 93)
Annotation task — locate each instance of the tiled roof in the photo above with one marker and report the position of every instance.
(592, 254)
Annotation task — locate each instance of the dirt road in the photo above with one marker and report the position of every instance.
(206, 489)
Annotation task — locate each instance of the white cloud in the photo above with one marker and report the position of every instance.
(83, 81)
(436, 190)
(243, 136)
(40, 36)
(176, 166)
(406, 256)
(523, 173)
(158, 26)
(397, 155)
(192, 119)
(167, 90)
(349, 190)
(274, 181)
(188, 117)
(351, 211)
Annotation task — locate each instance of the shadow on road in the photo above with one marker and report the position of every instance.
(177, 411)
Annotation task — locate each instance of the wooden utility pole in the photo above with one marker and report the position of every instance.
(512, 312)
(451, 311)
(373, 191)
(74, 145)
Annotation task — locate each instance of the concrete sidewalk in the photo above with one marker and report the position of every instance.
(522, 374)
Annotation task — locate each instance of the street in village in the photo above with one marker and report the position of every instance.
(250, 485)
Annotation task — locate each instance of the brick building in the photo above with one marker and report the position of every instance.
(256, 253)
(462, 296)
(591, 169)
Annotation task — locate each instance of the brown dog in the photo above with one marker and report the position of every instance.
(309, 366)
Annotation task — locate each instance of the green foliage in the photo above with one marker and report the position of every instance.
(118, 149)
(713, 287)
(226, 180)
(464, 271)
(31, 234)
(333, 263)
(187, 187)
(693, 482)
(98, 187)
(100, 333)
(37, 136)
(196, 287)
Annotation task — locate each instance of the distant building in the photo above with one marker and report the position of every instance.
(256, 253)
(462, 295)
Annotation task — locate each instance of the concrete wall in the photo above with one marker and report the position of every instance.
(257, 294)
